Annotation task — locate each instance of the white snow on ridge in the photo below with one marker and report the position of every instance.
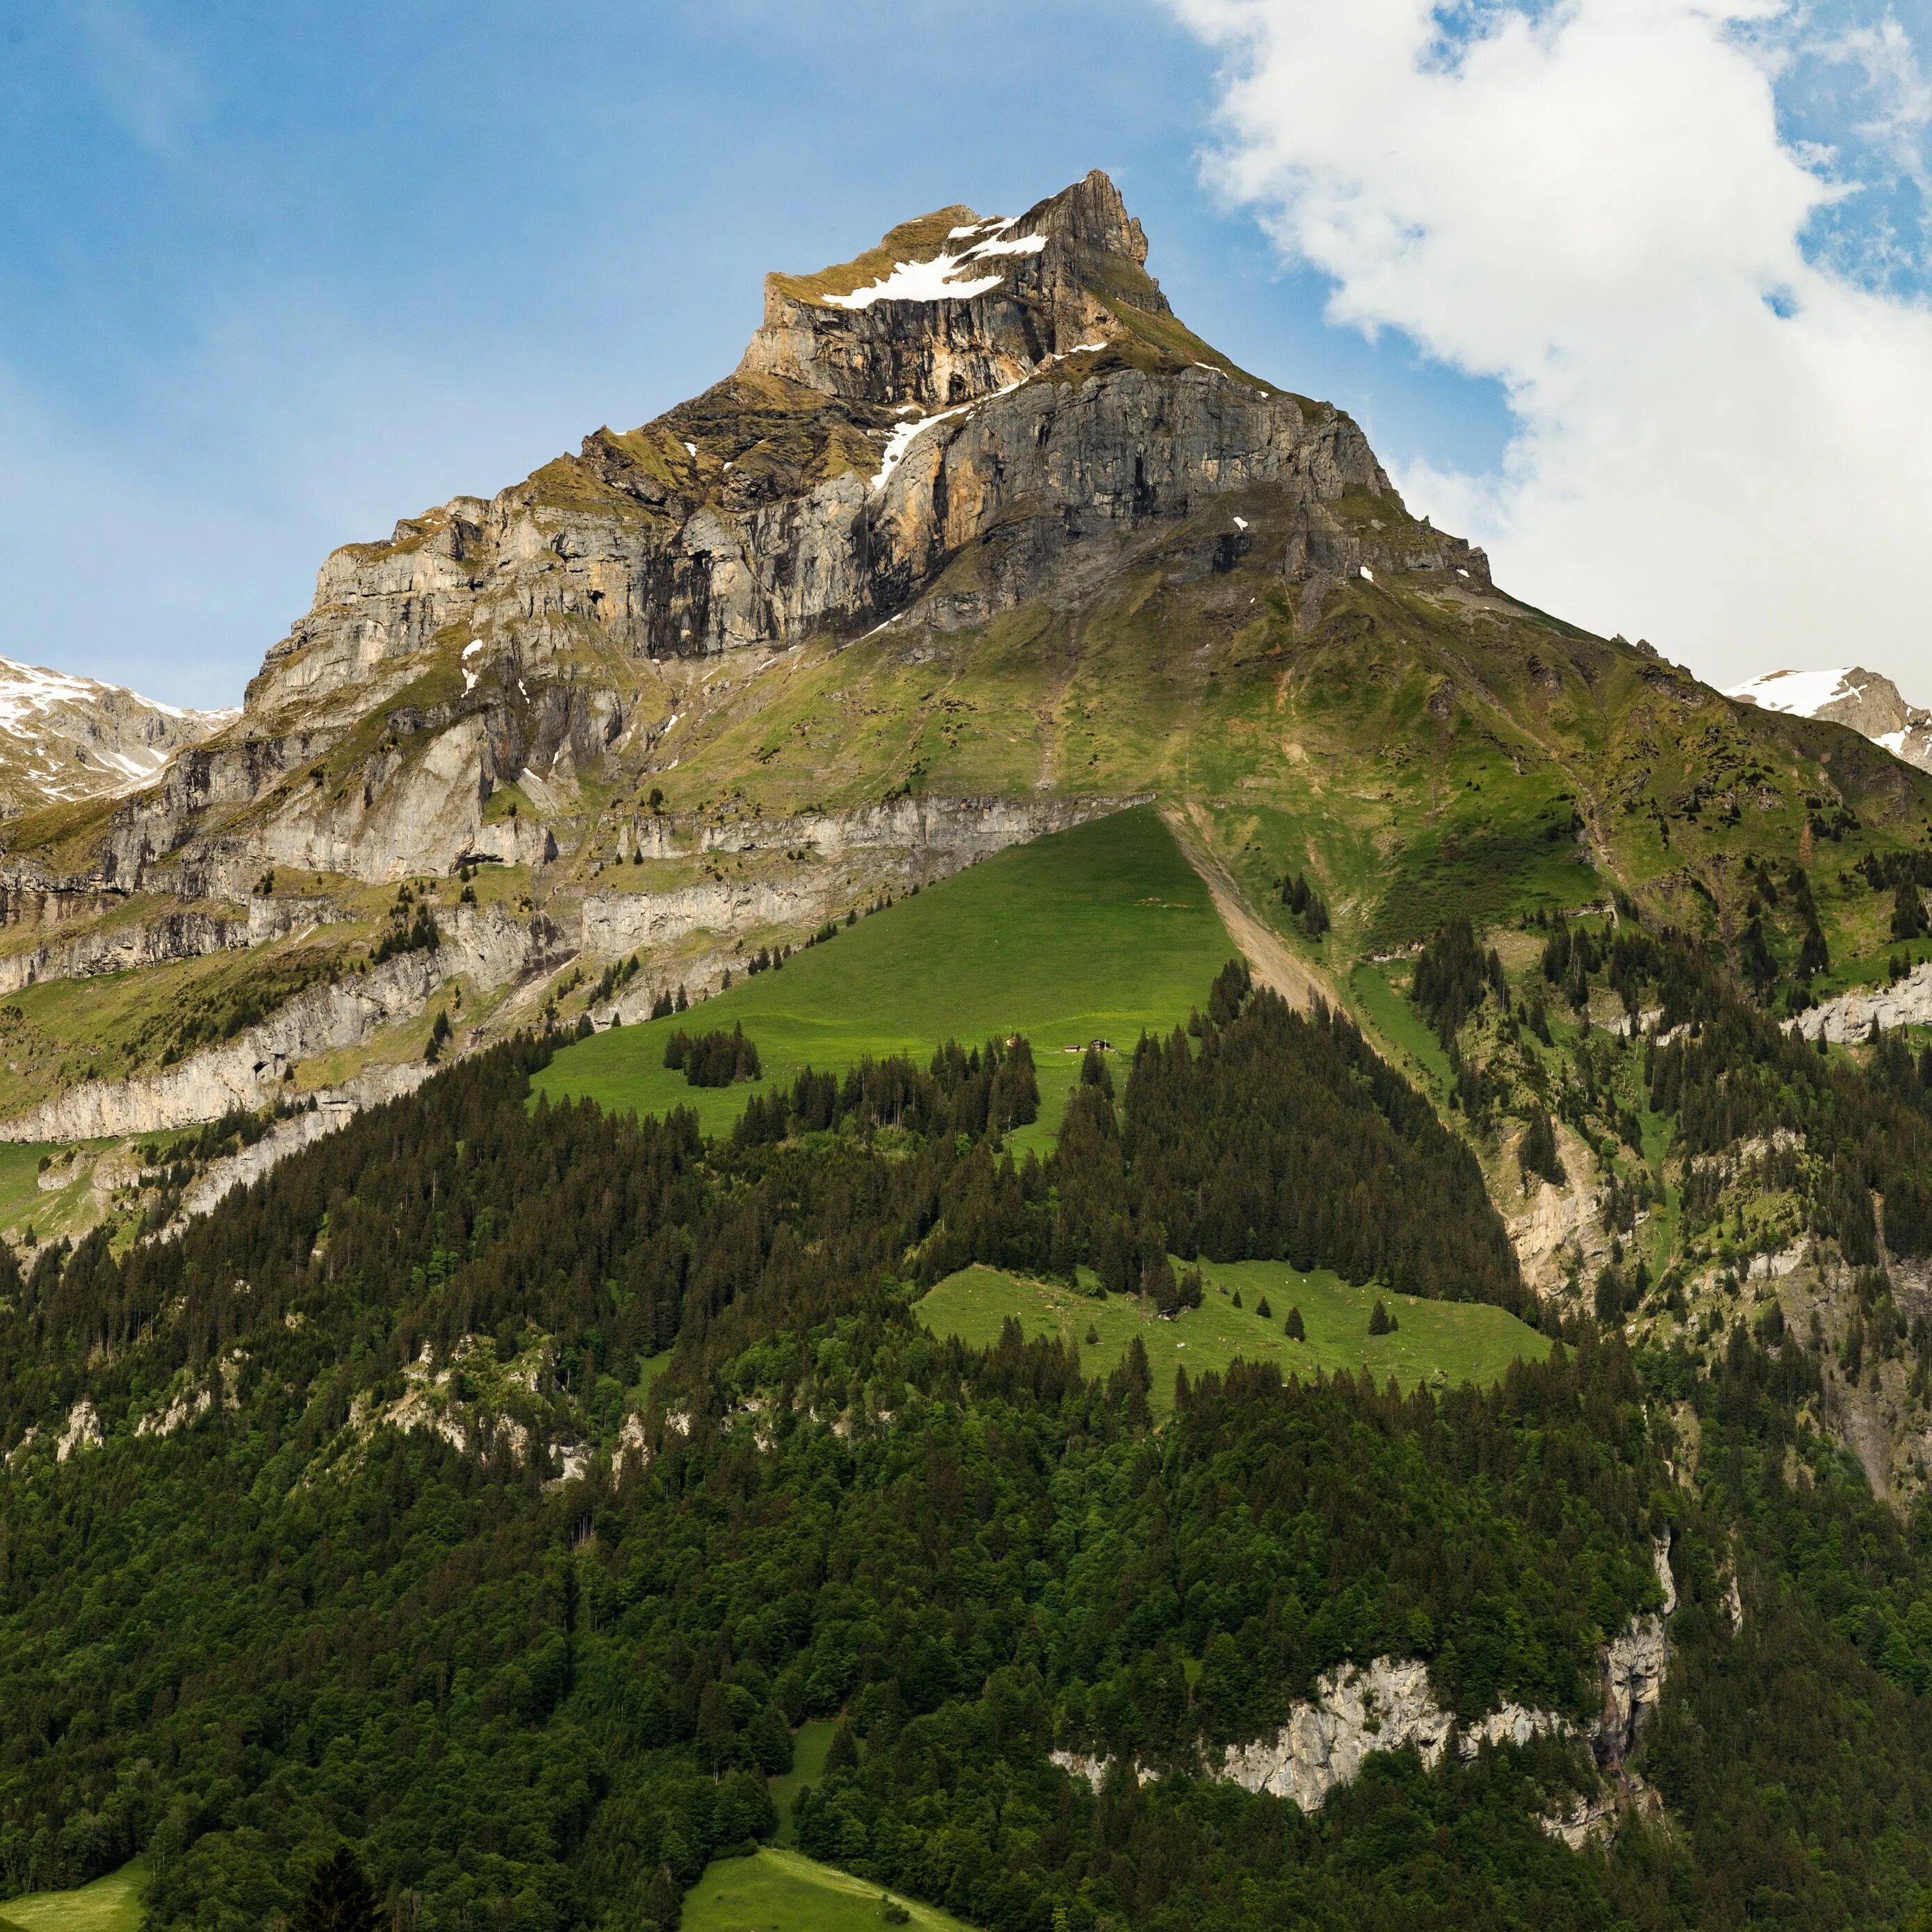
(1805, 692)
(919, 281)
(26, 689)
(933, 281)
(1023, 245)
(32, 700)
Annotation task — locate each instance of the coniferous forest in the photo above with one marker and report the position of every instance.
(497, 1485)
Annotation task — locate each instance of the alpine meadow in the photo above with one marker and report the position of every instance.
(951, 1145)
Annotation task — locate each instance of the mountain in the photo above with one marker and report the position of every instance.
(955, 1133)
(1869, 704)
(979, 540)
(63, 737)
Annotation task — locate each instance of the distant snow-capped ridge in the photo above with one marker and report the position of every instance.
(64, 737)
(1867, 702)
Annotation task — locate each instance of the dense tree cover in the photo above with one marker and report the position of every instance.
(339, 1897)
(1735, 1076)
(1285, 1134)
(544, 1701)
(539, 1700)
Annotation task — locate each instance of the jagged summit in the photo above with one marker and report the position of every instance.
(954, 306)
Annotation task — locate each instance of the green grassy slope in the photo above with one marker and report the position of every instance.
(809, 1743)
(110, 1904)
(1461, 1341)
(777, 1890)
(1099, 931)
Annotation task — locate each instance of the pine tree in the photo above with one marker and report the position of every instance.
(1381, 1322)
(339, 1897)
(1293, 1327)
(1538, 1155)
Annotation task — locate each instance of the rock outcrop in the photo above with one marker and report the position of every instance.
(124, 943)
(488, 947)
(1388, 1705)
(83, 1431)
(1847, 1018)
(845, 858)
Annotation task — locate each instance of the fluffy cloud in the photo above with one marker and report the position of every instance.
(1721, 440)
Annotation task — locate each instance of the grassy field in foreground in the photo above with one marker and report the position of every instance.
(110, 1904)
(777, 1891)
(1096, 932)
(1461, 1341)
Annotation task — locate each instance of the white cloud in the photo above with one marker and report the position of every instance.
(1719, 444)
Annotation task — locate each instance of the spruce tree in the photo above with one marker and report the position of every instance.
(339, 1897)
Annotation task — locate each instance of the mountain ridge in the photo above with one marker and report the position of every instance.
(1871, 704)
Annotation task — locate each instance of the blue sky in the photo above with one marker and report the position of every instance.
(271, 278)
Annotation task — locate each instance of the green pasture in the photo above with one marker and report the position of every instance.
(1457, 1341)
(110, 1904)
(780, 1891)
(809, 1743)
(1094, 933)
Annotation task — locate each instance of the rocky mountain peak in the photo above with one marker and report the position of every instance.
(1092, 214)
(981, 412)
(954, 306)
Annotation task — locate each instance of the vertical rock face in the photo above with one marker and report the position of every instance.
(887, 414)
(1387, 1705)
(1847, 1018)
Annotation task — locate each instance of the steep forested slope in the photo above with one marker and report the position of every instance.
(498, 1483)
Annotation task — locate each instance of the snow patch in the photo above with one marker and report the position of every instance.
(1021, 244)
(1240, 523)
(1368, 575)
(935, 280)
(1805, 692)
(918, 281)
(901, 440)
